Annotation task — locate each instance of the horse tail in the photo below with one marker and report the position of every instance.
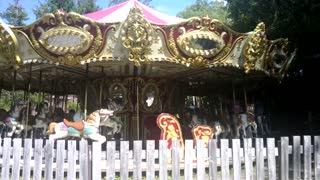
(76, 125)
(51, 128)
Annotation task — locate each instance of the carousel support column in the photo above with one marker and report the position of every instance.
(1, 86)
(138, 121)
(233, 94)
(245, 99)
(86, 91)
(40, 88)
(50, 99)
(14, 87)
(101, 89)
(66, 98)
(28, 102)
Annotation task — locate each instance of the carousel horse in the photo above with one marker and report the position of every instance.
(248, 127)
(88, 128)
(114, 123)
(17, 117)
(41, 119)
(4, 119)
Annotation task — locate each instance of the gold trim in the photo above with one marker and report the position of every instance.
(254, 47)
(137, 35)
(9, 44)
(65, 24)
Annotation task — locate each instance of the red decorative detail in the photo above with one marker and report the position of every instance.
(170, 129)
(202, 132)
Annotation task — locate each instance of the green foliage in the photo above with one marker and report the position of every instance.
(51, 6)
(115, 2)
(15, 14)
(86, 6)
(214, 9)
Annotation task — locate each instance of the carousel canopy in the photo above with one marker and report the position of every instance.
(120, 12)
(130, 40)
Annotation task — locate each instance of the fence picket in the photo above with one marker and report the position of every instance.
(188, 157)
(37, 159)
(213, 159)
(271, 159)
(49, 159)
(296, 158)
(72, 152)
(236, 156)
(16, 158)
(150, 160)
(27, 159)
(163, 160)
(84, 160)
(137, 152)
(111, 150)
(5, 159)
(284, 157)
(60, 159)
(175, 159)
(259, 159)
(248, 158)
(200, 159)
(225, 173)
(317, 157)
(96, 160)
(307, 157)
(124, 160)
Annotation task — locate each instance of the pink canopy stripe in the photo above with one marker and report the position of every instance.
(119, 13)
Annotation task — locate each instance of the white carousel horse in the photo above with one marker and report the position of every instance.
(88, 128)
(17, 117)
(114, 123)
(41, 120)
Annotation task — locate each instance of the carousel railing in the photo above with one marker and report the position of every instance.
(235, 159)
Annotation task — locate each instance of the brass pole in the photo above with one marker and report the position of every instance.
(28, 103)
(14, 87)
(1, 86)
(52, 84)
(86, 92)
(233, 94)
(40, 88)
(101, 89)
(245, 98)
(138, 127)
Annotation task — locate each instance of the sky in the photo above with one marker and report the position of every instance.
(170, 7)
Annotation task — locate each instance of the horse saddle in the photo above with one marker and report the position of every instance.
(76, 128)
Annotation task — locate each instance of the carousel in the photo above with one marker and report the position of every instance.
(139, 63)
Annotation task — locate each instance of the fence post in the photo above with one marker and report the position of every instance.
(6, 159)
(111, 150)
(163, 160)
(317, 157)
(96, 160)
(175, 150)
(84, 160)
(16, 158)
(49, 159)
(27, 159)
(284, 158)
(60, 156)
(225, 173)
(236, 156)
(124, 160)
(37, 159)
(259, 158)
(150, 160)
(72, 148)
(248, 158)
(307, 157)
(296, 158)
(137, 151)
(200, 159)
(188, 157)
(271, 159)
(213, 159)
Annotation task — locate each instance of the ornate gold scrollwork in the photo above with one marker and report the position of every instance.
(276, 58)
(8, 44)
(59, 38)
(255, 47)
(137, 35)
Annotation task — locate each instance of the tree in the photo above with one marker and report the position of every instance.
(51, 6)
(86, 6)
(214, 9)
(15, 14)
(115, 2)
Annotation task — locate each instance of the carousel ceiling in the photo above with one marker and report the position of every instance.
(68, 47)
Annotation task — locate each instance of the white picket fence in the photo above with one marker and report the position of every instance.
(247, 159)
